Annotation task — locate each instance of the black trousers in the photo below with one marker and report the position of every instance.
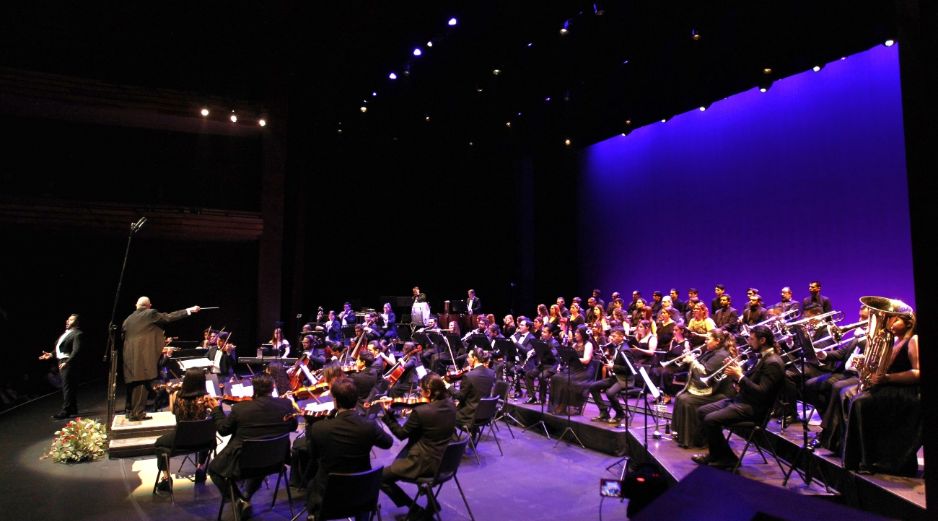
(612, 386)
(543, 375)
(69, 395)
(138, 393)
(714, 416)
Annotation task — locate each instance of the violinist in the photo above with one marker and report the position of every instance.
(188, 403)
(347, 315)
(428, 431)
(365, 377)
(372, 327)
(388, 322)
(260, 417)
(408, 379)
(474, 385)
(341, 444)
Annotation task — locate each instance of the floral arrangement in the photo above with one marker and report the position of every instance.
(80, 440)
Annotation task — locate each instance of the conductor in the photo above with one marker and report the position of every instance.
(143, 345)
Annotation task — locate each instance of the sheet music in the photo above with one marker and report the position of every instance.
(652, 388)
(210, 388)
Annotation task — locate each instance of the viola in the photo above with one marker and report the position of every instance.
(395, 373)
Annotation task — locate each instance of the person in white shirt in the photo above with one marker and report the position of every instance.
(66, 348)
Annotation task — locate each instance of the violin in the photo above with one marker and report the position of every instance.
(169, 387)
(455, 375)
(229, 399)
(311, 415)
(304, 393)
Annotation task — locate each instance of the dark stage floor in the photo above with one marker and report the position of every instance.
(533, 480)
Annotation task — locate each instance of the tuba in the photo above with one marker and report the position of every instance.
(879, 339)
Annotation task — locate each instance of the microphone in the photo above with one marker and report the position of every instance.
(137, 225)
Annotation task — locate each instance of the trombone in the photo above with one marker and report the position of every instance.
(837, 317)
(718, 375)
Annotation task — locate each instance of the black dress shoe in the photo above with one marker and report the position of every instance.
(723, 464)
(701, 459)
(139, 418)
(244, 508)
(600, 418)
(62, 415)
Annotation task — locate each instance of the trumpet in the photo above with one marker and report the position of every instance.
(718, 375)
(683, 358)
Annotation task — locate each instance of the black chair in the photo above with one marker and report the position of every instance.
(259, 458)
(449, 466)
(500, 390)
(348, 495)
(484, 416)
(191, 437)
(755, 427)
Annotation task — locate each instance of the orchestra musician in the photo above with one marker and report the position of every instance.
(262, 416)
(541, 367)
(726, 317)
(644, 344)
(567, 387)
(222, 353)
(333, 328)
(428, 430)
(676, 301)
(757, 393)
(342, 443)
(408, 379)
(143, 347)
(508, 326)
(815, 299)
(316, 354)
(754, 312)
(685, 423)
(619, 361)
(388, 322)
(365, 377)
(522, 339)
(700, 324)
(281, 345)
(66, 349)
(818, 389)
(787, 304)
(347, 315)
(718, 291)
(189, 403)
(420, 309)
(474, 385)
(473, 304)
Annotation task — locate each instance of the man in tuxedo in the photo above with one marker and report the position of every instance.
(366, 377)
(261, 417)
(341, 444)
(476, 384)
(473, 304)
(718, 292)
(816, 299)
(541, 367)
(757, 392)
(66, 348)
(143, 346)
(522, 340)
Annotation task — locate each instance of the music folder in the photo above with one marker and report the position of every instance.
(505, 348)
(566, 354)
(652, 388)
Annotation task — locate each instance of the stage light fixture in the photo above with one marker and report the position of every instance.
(429, 43)
(479, 90)
(767, 71)
(262, 122)
(694, 35)
(508, 124)
(889, 43)
(392, 76)
(363, 108)
(816, 68)
(418, 52)
(842, 58)
(374, 94)
(426, 118)
(496, 72)
(547, 99)
(204, 112)
(233, 117)
(565, 29)
(628, 122)
(567, 142)
(452, 22)
(530, 44)
(664, 120)
(703, 108)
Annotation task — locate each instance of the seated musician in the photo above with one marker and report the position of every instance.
(672, 341)
(757, 393)
(407, 382)
(474, 385)
(317, 355)
(684, 420)
(726, 317)
(880, 428)
(796, 371)
(188, 403)
(280, 345)
(619, 361)
(567, 388)
(508, 326)
(644, 343)
(700, 324)
(541, 368)
(819, 388)
(333, 328)
(372, 327)
(347, 316)
(388, 322)
(262, 416)
(383, 356)
(299, 455)
(754, 312)
(223, 354)
(365, 377)
(428, 430)
(342, 443)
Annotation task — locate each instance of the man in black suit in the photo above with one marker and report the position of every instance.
(475, 384)
(143, 347)
(727, 318)
(343, 443)
(473, 304)
(816, 299)
(66, 348)
(541, 367)
(718, 291)
(261, 417)
(757, 392)
(366, 377)
(428, 430)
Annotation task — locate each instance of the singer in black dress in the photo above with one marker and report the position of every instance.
(568, 387)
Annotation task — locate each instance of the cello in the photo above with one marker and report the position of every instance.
(394, 374)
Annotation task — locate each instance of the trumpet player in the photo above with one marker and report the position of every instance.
(757, 393)
(620, 364)
(686, 426)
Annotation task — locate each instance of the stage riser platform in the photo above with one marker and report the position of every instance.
(131, 439)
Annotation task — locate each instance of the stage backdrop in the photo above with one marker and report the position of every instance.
(805, 181)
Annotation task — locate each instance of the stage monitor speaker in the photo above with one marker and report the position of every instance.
(708, 493)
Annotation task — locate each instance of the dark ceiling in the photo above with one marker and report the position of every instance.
(635, 61)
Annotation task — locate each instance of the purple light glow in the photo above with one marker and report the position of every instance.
(418, 52)
(452, 22)
(392, 76)
(768, 191)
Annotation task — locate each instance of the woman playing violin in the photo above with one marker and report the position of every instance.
(191, 402)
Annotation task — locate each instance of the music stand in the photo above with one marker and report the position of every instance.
(540, 349)
(505, 349)
(806, 450)
(624, 423)
(567, 354)
(459, 307)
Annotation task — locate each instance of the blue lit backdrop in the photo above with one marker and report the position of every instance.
(806, 181)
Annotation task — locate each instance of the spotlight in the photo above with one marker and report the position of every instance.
(767, 70)
(233, 118)
(374, 93)
(703, 108)
(479, 90)
(392, 76)
(842, 58)
(508, 124)
(471, 143)
(262, 122)
(664, 120)
(429, 43)
(889, 43)
(565, 29)
(496, 72)
(694, 35)
(547, 99)
(628, 122)
(418, 52)
(363, 108)
(426, 118)
(452, 22)
(204, 112)
(764, 85)
(816, 68)
(530, 44)
(567, 142)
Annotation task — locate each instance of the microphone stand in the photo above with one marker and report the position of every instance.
(567, 407)
(111, 348)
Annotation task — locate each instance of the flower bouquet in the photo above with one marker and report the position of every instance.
(80, 440)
